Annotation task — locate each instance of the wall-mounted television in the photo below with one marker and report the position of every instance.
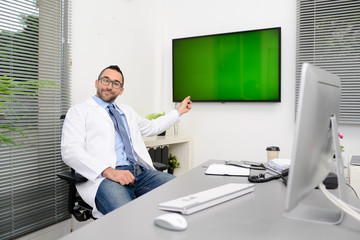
(228, 67)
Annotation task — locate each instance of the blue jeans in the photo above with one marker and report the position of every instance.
(112, 195)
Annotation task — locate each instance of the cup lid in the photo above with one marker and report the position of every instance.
(273, 148)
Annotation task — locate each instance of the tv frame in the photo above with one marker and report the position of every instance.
(277, 100)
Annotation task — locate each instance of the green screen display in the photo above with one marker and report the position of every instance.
(240, 66)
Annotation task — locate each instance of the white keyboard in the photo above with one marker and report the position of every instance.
(201, 200)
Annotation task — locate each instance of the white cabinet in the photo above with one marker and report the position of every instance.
(354, 172)
(181, 146)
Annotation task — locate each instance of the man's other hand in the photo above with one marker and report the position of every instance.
(185, 106)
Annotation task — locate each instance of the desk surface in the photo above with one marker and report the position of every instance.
(254, 216)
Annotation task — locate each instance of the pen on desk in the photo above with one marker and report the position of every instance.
(246, 164)
(237, 164)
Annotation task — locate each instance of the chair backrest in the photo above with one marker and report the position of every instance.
(76, 205)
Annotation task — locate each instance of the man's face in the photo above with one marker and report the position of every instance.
(109, 93)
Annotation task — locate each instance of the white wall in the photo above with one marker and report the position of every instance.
(136, 35)
(234, 130)
(107, 32)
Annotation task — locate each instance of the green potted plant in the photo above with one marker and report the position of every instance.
(152, 116)
(9, 88)
(173, 163)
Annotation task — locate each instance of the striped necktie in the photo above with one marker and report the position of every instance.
(119, 126)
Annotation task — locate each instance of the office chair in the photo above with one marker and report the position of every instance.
(76, 205)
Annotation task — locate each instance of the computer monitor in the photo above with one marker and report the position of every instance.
(316, 141)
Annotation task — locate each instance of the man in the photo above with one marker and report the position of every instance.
(104, 143)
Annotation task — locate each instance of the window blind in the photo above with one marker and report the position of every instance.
(34, 45)
(328, 36)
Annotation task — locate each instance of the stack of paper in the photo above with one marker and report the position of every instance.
(279, 165)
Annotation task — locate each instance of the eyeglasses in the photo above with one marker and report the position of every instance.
(106, 81)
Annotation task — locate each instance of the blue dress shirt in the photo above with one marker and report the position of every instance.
(121, 158)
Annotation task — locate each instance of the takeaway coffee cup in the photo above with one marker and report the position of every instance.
(272, 152)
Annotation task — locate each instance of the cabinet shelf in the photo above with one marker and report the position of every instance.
(181, 146)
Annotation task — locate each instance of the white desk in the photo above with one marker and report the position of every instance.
(257, 215)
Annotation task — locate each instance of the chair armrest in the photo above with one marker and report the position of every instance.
(160, 166)
(72, 177)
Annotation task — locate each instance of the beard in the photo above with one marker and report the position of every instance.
(106, 95)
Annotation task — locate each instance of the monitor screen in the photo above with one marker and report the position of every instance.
(315, 142)
(237, 66)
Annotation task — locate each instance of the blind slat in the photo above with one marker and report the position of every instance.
(328, 35)
(31, 195)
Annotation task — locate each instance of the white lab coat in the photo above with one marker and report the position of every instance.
(88, 140)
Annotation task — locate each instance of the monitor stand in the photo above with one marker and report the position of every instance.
(316, 207)
(318, 214)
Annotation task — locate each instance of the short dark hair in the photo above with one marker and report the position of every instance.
(116, 68)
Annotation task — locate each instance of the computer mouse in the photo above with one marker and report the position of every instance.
(171, 221)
